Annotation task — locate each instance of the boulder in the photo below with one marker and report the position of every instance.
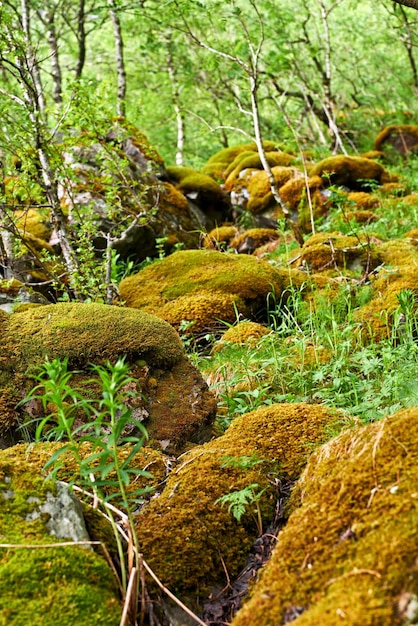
(206, 288)
(348, 552)
(169, 395)
(192, 542)
(71, 585)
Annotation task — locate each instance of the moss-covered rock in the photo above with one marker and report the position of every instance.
(248, 241)
(243, 333)
(202, 190)
(351, 171)
(170, 394)
(189, 539)
(70, 585)
(205, 286)
(333, 251)
(251, 161)
(220, 237)
(402, 137)
(377, 316)
(348, 552)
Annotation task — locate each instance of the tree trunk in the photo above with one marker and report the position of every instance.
(408, 3)
(120, 62)
(81, 39)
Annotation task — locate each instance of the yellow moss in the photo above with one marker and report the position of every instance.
(259, 189)
(361, 217)
(411, 199)
(348, 551)
(330, 251)
(259, 237)
(185, 519)
(393, 189)
(403, 137)
(373, 154)
(363, 200)
(32, 222)
(251, 160)
(173, 200)
(243, 333)
(351, 171)
(377, 316)
(218, 236)
(412, 234)
(227, 155)
(397, 252)
(195, 274)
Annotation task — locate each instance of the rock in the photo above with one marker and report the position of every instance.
(403, 138)
(205, 287)
(351, 171)
(169, 392)
(69, 585)
(186, 536)
(348, 551)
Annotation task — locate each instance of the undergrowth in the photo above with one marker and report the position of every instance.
(317, 352)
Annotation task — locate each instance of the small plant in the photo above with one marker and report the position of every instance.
(101, 471)
(239, 501)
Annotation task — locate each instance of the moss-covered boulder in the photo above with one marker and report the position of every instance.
(353, 172)
(220, 237)
(335, 252)
(243, 333)
(251, 161)
(205, 287)
(348, 552)
(170, 394)
(71, 585)
(220, 162)
(403, 138)
(187, 537)
(248, 241)
(202, 190)
(380, 316)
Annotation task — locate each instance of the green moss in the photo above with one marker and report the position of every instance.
(351, 171)
(34, 223)
(348, 552)
(185, 519)
(69, 585)
(195, 278)
(201, 183)
(86, 332)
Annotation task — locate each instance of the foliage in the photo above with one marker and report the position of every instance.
(107, 418)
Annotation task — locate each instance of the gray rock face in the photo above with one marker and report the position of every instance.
(66, 520)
